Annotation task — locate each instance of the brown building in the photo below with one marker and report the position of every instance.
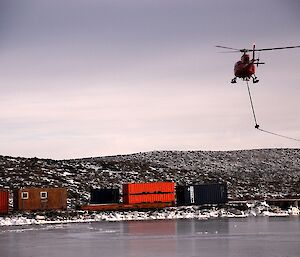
(33, 199)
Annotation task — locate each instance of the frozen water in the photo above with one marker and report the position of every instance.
(252, 236)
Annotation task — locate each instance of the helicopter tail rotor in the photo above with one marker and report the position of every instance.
(257, 60)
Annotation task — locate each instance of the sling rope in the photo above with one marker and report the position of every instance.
(257, 126)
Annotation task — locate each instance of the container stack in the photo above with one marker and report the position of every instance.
(104, 196)
(4, 201)
(154, 192)
(201, 194)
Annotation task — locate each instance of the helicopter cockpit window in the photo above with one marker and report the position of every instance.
(245, 58)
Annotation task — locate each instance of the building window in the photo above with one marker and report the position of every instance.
(44, 195)
(24, 195)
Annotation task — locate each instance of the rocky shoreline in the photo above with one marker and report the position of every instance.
(256, 208)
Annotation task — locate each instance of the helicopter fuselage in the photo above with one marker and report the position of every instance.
(244, 68)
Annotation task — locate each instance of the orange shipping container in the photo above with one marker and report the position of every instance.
(32, 199)
(119, 206)
(149, 198)
(4, 201)
(149, 188)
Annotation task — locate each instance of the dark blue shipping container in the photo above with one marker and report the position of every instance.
(201, 194)
(103, 196)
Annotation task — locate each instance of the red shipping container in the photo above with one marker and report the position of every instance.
(149, 198)
(4, 201)
(149, 188)
(120, 206)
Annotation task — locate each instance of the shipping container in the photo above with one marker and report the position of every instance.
(4, 201)
(201, 194)
(103, 195)
(33, 199)
(149, 188)
(115, 207)
(149, 198)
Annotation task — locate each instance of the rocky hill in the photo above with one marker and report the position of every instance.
(249, 174)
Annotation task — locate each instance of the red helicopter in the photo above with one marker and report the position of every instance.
(245, 68)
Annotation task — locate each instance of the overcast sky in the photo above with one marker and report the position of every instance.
(82, 78)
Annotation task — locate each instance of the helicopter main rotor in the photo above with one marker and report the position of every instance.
(245, 50)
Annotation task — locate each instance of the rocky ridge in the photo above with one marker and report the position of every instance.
(249, 174)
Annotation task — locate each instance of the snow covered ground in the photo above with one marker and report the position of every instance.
(190, 212)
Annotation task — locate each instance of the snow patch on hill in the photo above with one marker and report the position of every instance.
(249, 174)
